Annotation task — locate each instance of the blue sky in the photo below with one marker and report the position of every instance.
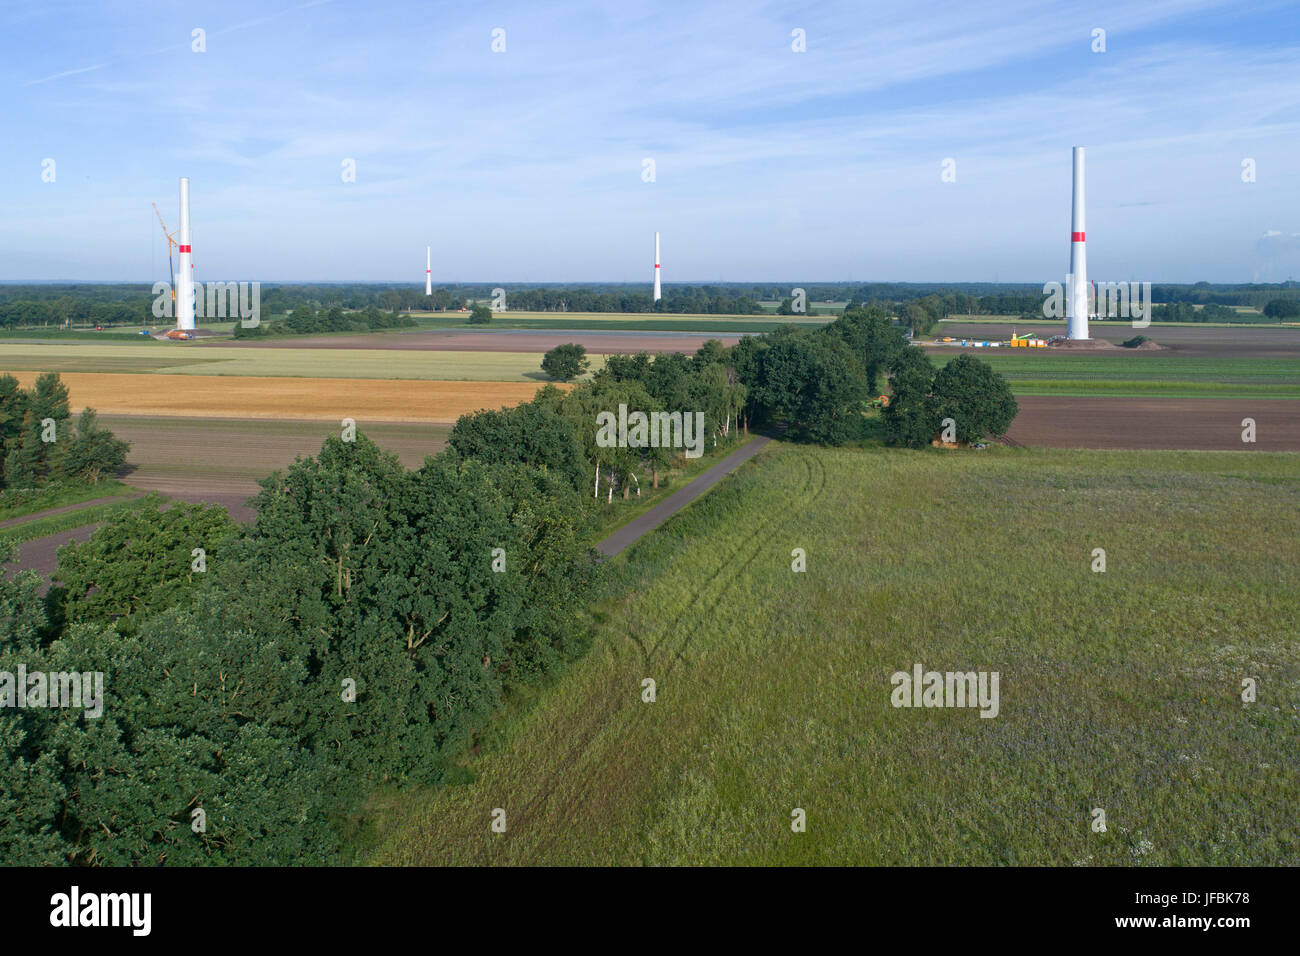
(526, 165)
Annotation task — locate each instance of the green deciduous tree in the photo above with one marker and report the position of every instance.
(975, 397)
(910, 419)
(141, 562)
(815, 383)
(92, 452)
(565, 362)
(534, 433)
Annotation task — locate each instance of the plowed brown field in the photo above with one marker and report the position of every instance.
(1161, 423)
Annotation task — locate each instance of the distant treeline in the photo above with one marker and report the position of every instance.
(1186, 312)
(38, 305)
(1256, 296)
(304, 320)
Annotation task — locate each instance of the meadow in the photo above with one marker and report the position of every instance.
(1119, 691)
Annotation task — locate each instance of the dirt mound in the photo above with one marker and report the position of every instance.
(1149, 346)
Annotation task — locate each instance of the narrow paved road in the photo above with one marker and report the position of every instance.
(39, 554)
(632, 532)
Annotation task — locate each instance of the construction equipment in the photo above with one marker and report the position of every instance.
(1026, 341)
(171, 241)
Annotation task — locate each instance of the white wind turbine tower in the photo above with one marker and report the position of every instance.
(1077, 307)
(185, 268)
(658, 291)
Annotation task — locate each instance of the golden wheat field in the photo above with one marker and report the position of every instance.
(242, 396)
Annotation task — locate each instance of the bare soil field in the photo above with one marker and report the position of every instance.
(221, 460)
(1156, 423)
(313, 399)
(596, 341)
(218, 461)
(1192, 340)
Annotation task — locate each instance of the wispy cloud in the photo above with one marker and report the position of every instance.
(824, 164)
(59, 76)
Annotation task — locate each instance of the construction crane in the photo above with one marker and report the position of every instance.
(171, 241)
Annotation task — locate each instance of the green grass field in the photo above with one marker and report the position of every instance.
(1119, 690)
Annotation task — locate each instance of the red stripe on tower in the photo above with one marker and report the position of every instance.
(185, 248)
(1076, 237)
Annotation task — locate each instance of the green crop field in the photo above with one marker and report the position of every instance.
(1119, 691)
(1138, 374)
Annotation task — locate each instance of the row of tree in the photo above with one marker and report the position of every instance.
(1186, 312)
(259, 682)
(37, 305)
(304, 320)
(27, 313)
(817, 383)
(38, 443)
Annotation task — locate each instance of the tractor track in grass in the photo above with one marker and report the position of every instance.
(580, 801)
(816, 474)
(597, 719)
